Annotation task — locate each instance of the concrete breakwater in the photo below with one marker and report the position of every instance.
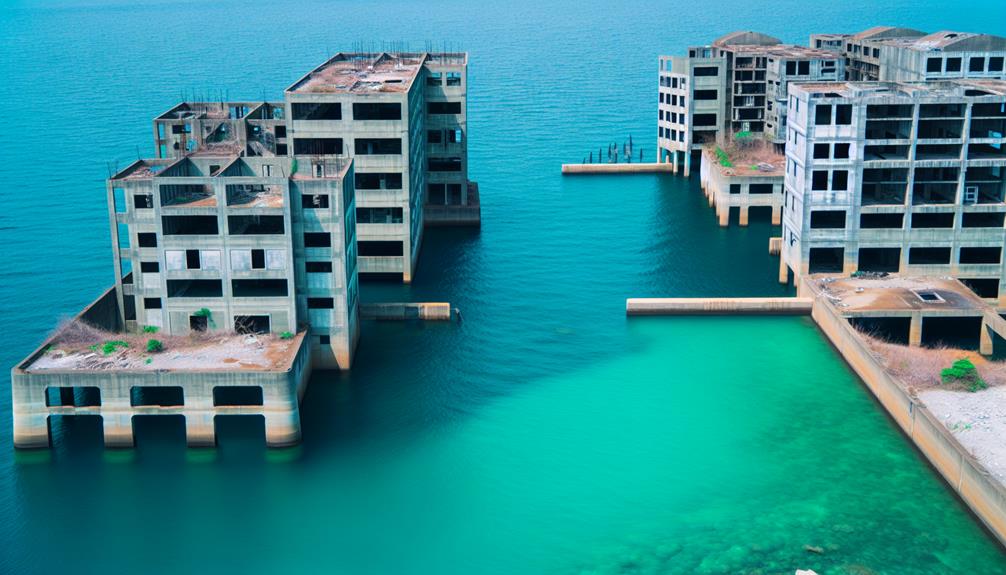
(645, 168)
(717, 305)
(431, 311)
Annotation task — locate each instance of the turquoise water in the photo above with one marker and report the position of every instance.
(544, 434)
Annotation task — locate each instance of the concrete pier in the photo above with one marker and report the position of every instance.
(719, 306)
(431, 311)
(645, 168)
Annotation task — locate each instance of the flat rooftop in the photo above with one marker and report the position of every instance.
(958, 88)
(898, 295)
(790, 51)
(85, 349)
(755, 160)
(362, 74)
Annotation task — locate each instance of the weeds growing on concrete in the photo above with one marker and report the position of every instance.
(923, 367)
(963, 373)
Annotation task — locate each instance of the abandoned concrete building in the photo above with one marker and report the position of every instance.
(402, 117)
(736, 84)
(887, 53)
(897, 177)
(254, 244)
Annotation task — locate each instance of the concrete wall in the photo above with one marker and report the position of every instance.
(717, 306)
(973, 483)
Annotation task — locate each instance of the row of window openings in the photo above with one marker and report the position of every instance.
(672, 117)
(671, 134)
(835, 219)
(149, 239)
(163, 396)
(675, 82)
(436, 78)
(889, 259)
(146, 201)
(975, 64)
(366, 111)
(675, 100)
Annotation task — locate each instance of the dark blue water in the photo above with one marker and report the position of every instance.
(545, 433)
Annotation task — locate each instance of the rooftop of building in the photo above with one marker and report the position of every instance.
(783, 51)
(362, 73)
(956, 88)
(78, 346)
(234, 166)
(212, 110)
(746, 37)
(893, 294)
(747, 157)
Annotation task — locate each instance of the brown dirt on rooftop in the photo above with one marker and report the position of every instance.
(919, 367)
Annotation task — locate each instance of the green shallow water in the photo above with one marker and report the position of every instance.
(546, 433)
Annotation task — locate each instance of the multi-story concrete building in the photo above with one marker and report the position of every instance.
(897, 177)
(402, 117)
(886, 53)
(736, 84)
(254, 244)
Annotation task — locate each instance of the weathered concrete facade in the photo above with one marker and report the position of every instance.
(119, 395)
(907, 178)
(887, 53)
(742, 187)
(257, 244)
(736, 84)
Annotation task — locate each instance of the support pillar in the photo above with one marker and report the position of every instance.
(282, 428)
(199, 429)
(776, 215)
(674, 160)
(118, 427)
(744, 216)
(723, 211)
(915, 331)
(31, 417)
(783, 270)
(688, 163)
(985, 341)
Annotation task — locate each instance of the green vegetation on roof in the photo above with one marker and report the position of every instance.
(723, 158)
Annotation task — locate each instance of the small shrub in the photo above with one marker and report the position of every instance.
(148, 360)
(110, 347)
(286, 335)
(154, 346)
(963, 373)
(150, 329)
(723, 158)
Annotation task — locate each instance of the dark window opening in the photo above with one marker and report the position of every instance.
(251, 324)
(822, 114)
(437, 136)
(983, 287)
(703, 119)
(928, 256)
(379, 181)
(879, 259)
(705, 71)
(976, 64)
(314, 202)
(377, 146)
(380, 248)
(996, 64)
(441, 108)
(146, 240)
(934, 65)
(189, 225)
(320, 303)
(167, 396)
(819, 180)
(735, 188)
(152, 303)
(255, 225)
(318, 267)
(258, 259)
(259, 288)
(841, 151)
(237, 395)
(192, 259)
(840, 180)
(84, 396)
(280, 131)
(445, 164)
(317, 146)
(377, 111)
(983, 219)
(953, 64)
(129, 307)
(143, 201)
(195, 288)
(890, 329)
(150, 267)
(956, 332)
(379, 215)
(317, 240)
(705, 95)
(981, 255)
(933, 220)
(827, 219)
(825, 260)
(317, 111)
(199, 322)
(843, 114)
(821, 151)
(877, 221)
(803, 68)
(197, 195)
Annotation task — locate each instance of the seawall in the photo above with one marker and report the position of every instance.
(973, 483)
(617, 168)
(432, 311)
(719, 305)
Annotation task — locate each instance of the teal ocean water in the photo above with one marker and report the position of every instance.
(544, 434)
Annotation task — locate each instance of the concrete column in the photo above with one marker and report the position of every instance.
(688, 163)
(776, 215)
(723, 211)
(744, 216)
(31, 417)
(985, 340)
(282, 428)
(674, 160)
(783, 270)
(915, 331)
(199, 429)
(118, 426)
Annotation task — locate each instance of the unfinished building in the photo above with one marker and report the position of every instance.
(888, 53)
(402, 117)
(899, 178)
(743, 177)
(738, 84)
